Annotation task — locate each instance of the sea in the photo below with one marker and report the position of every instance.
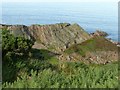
(91, 16)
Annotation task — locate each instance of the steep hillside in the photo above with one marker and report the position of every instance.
(55, 37)
(97, 50)
(70, 42)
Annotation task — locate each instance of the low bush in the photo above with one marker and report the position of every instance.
(12, 45)
(80, 76)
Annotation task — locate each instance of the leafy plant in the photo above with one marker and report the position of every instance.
(12, 45)
(83, 77)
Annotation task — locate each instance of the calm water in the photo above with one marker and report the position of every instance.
(90, 16)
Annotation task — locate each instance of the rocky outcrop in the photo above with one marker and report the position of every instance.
(98, 57)
(56, 37)
(97, 50)
(99, 33)
(62, 37)
(17, 30)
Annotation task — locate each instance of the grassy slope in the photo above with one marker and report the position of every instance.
(43, 70)
(94, 44)
(48, 72)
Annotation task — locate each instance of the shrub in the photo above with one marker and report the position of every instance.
(14, 45)
(91, 77)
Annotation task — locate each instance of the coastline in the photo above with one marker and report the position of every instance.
(98, 34)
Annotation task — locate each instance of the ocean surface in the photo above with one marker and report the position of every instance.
(91, 16)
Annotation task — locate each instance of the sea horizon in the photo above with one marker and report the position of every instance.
(90, 16)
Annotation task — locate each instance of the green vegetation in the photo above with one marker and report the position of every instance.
(12, 45)
(41, 69)
(92, 45)
(65, 75)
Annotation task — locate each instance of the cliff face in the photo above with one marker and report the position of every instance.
(56, 37)
(71, 42)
